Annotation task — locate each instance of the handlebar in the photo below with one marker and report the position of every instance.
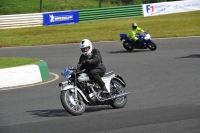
(81, 71)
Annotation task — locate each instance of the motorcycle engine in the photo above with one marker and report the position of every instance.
(91, 90)
(94, 88)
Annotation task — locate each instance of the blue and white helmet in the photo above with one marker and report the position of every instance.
(86, 47)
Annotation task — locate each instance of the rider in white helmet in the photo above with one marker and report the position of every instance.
(86, 47)
(91, 60)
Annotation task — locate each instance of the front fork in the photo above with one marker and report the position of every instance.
(76, 97)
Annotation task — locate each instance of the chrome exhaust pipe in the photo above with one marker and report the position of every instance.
(120, 95)
(114, 96)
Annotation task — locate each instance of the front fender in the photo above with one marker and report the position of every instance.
(71, 87)
(149, 40)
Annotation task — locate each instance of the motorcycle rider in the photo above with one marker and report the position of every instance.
(91, 60)
(132, 33)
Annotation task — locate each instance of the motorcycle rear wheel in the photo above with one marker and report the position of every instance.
(71, 105)
(152, 46)
(127, 46)
(118, 102)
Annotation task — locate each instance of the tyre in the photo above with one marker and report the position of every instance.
(118, 102)
(127, 46)
(71, 105)
(152, 46)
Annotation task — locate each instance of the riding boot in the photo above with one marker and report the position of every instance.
(104, 90)
(132, 42)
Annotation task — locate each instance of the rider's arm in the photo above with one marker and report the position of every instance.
(134, 33)
(140, 29)
(80, 66)
(96, 57)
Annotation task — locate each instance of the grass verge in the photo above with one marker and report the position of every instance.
(13, 62)
(33, 6)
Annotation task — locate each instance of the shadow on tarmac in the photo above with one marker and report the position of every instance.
(63, 113)
(190, 56)
(124, 51)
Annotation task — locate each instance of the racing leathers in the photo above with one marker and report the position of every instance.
(94, 66)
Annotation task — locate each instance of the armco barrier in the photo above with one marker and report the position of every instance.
(21, 20)
(110, 12)
(36, 19)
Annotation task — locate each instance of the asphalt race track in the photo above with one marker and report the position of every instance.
(164, 86)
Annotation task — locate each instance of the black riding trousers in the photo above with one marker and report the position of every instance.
(96, 74)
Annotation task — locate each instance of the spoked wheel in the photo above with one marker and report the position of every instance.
(72, 105)
(121, 101)
(152, 46)
(127, 46)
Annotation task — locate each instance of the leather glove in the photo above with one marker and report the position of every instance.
(85, 62)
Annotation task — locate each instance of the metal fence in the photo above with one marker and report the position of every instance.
(110, 12)
(21, 20)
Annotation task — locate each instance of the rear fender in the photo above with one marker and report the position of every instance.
(71, 88)
(120, 79)
(124, 36)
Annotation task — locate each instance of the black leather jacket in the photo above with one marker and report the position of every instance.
(95, 61)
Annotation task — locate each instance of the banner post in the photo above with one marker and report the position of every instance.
(40, 5)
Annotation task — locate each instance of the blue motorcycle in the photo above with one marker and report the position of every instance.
(145, 42)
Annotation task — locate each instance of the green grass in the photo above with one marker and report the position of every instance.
(13, 62)
(172, 25)
(33, 6)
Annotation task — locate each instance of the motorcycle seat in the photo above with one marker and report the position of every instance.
(108, 74)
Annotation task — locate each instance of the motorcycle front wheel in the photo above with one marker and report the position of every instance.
(71, 104)
(127, 46)
(121, 101)
(152, 46)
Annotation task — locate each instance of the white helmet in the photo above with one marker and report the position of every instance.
(84, 44)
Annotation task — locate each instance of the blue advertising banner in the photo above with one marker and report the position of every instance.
(64, 17)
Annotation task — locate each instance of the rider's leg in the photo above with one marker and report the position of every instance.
(96, 75)
(138, 42)
(132, 41)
